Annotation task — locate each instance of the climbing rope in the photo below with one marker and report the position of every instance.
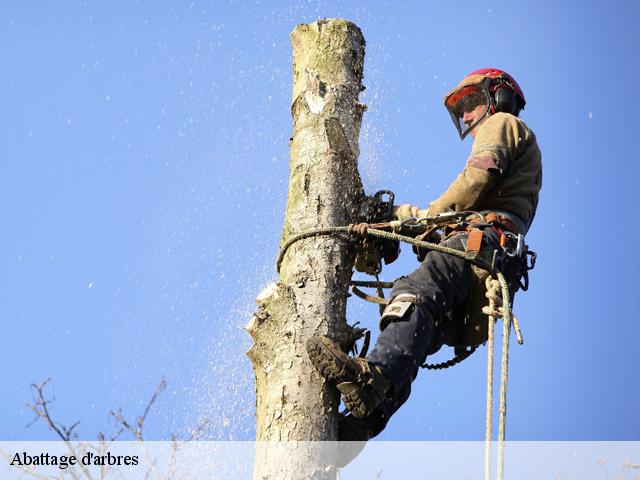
(490, 353)
(498, 307)
(374, 233)
(388, 236)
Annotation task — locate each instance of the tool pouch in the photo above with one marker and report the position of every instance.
(467, 326)
(470, 324)
(475, 328)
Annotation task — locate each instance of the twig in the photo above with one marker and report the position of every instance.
(41, 410)
(40, 407)
(199, 430)
(67, 435)
(161, 386)
(137, 430)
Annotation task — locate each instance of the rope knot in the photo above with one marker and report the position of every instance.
(358, 229)
(493, 293)
(498, 294)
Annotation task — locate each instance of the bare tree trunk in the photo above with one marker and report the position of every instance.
(293, 403)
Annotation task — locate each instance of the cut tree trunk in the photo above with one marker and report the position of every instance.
(293, 402)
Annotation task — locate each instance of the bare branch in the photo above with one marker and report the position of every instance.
(161, 386)
(125, 425)
(136, 430)
(199, 430)
(69, 431)
(40, 408)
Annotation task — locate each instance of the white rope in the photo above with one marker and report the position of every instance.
(490, 348)
(498, 307)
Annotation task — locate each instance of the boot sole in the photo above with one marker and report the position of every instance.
(355, 402)
(333, 365)
(330, 362)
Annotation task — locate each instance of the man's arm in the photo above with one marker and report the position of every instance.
(467, 192)
(495, 146)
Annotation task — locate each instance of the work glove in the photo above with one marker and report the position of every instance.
(406, 210)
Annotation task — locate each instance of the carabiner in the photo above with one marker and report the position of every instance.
(519, 244)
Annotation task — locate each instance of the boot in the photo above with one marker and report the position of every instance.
(362, 385)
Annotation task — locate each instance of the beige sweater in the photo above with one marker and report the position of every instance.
(503, 172)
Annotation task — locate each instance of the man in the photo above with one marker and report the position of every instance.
(498, 187)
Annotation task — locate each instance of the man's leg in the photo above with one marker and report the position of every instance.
(422, 329)
(439, 284)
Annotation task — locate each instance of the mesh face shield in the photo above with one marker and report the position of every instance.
(467, 98)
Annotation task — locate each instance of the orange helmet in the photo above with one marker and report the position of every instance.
(488, 86)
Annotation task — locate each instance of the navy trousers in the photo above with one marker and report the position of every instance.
(441, 284)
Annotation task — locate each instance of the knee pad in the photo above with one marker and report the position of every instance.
(397, 308)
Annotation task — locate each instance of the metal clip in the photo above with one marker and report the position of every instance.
(411, 223)
(531, 260)
(518, 250)
(449, 215)
(520, 245)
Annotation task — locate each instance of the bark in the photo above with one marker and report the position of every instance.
(293, 402)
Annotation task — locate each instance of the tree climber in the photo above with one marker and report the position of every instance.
(498, 193)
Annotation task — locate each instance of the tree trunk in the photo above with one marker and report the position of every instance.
(293, 402)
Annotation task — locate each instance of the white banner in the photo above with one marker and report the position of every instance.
(378, 460)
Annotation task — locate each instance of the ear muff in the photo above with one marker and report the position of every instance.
(505, 100)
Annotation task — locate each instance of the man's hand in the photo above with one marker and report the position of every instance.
(406, 210)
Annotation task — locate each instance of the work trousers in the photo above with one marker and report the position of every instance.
(441, 284)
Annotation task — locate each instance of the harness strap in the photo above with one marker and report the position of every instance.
(474, 243)
(369, 298)
(502, 221)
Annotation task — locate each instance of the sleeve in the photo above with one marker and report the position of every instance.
(495, 146)
(406, 210)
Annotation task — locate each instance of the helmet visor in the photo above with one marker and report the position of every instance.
(467, 99)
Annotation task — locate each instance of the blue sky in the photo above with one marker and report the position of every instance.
(143, 178)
